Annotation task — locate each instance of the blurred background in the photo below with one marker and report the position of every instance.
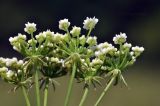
(139, 19)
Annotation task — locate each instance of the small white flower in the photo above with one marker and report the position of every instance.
(40, 37)
(75, 31)
(22, 37)
(64, 24)
(3, 69)
(131, 53)
(48, 33)
(98, 53)
(92, 40)
(55, 59)
(10, 62)
(103, 45)
(82, 40)
(30, 28)
(138, 49)
(96, 61)
(104, 51)
(57, 37)
(13, 39)
(109, 50)
(2, 60)
(20, 63)
(127, 45)
(89, 23)
(9, 73)
(31, 41)
(119, 39)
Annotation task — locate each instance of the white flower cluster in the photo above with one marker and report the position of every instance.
(75, 31)
(64, 24)
(119, 39)
(15, 39)
(137, 50)
(92, 40)
(96, 61)
(105, 48)
(8, 64)
(30, 28)
(89, 23)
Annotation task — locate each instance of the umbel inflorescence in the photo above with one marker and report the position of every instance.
(49, 55)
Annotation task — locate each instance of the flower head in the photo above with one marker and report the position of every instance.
(119, 39)
(9, 73)
(75, 31)
(82, 39)
(30, 28)
(127, 45)
(89, 23)
(64, 24)
(92, 40)
(137, 50)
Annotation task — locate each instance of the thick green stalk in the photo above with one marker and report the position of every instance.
(46, 93)
(70, 85)
(25, 96)
(37, 88)
(86, 89)
(105, 91)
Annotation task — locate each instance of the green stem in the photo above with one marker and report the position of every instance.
(25, 96)
(70, 84)
(86, 89)
(37, 88)
(105, 91)
(33, 44)
(46, 93)
(89, 32)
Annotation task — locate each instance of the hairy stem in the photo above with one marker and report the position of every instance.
(86, 89)
(70, 84)
(46, 93)
(26, 96)
(105, 91)
(37, 88)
